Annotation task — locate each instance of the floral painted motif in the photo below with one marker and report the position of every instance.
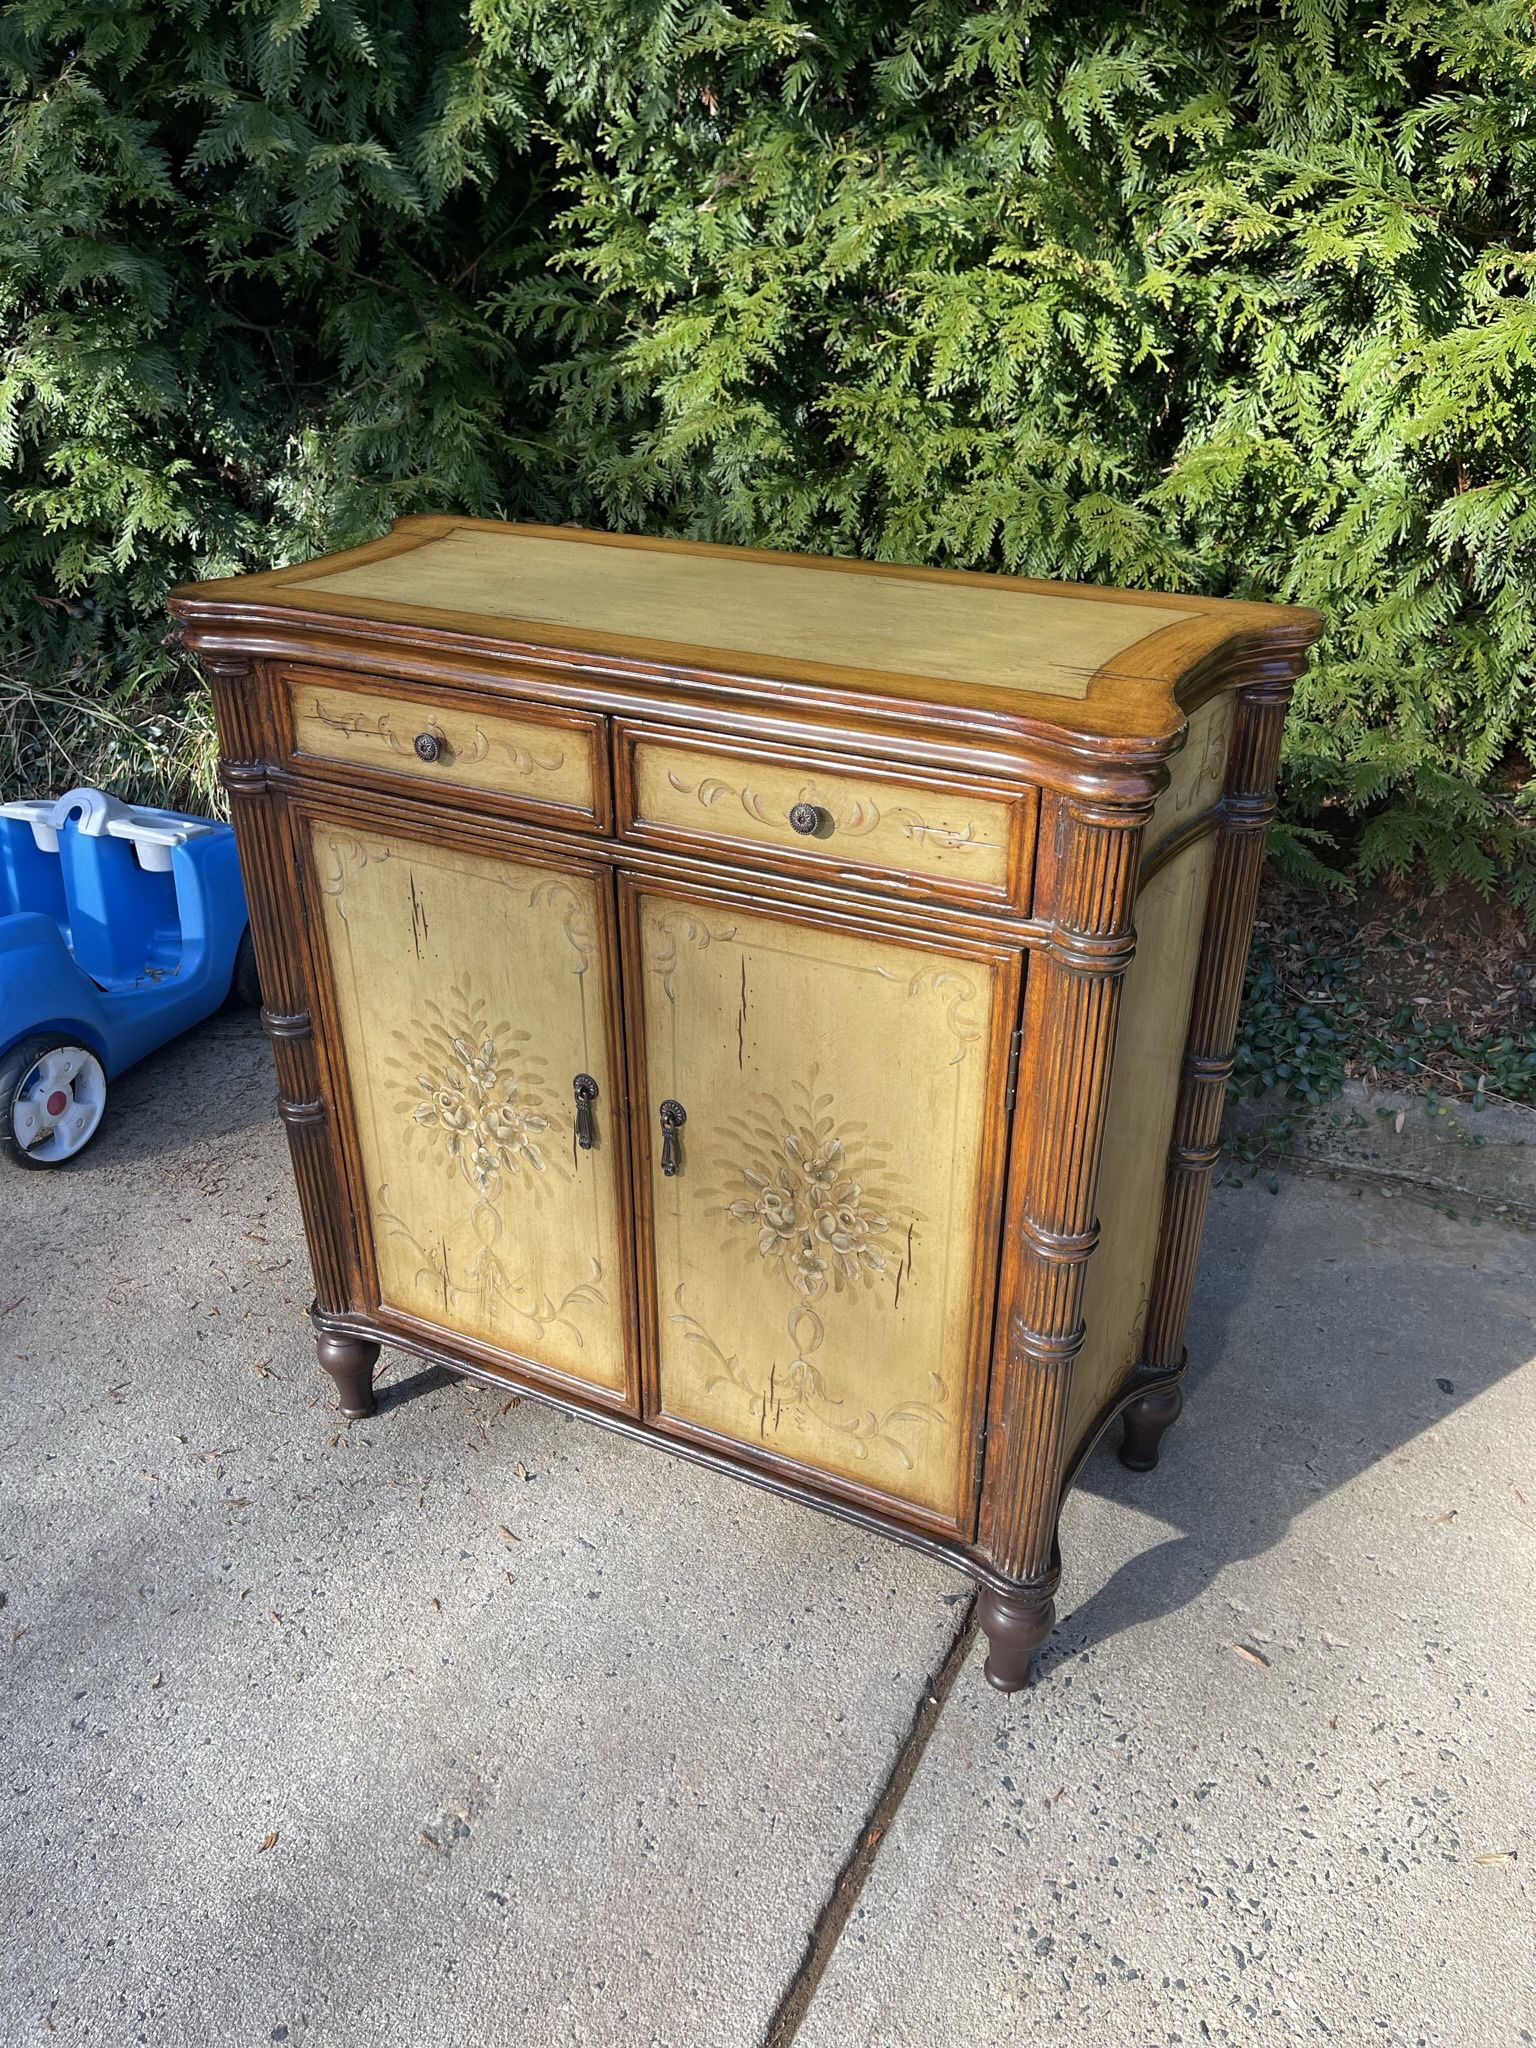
(475, 1090)
(815, 1199)
(816, 1211)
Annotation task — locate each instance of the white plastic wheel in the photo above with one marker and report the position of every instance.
(59, 1103)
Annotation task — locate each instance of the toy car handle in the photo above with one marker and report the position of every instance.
(93, 807)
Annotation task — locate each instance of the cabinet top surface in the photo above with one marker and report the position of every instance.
(1105, 660)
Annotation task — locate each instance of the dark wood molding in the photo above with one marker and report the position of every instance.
(1070, 1008)
(1248, 804)
(276, 922)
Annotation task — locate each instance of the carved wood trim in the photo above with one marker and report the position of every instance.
(1071, 1001)
(266, 861)
(1248, 804)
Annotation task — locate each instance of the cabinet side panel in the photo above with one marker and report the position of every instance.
(1248, 804)
(1196, 772)
(1143, 1098)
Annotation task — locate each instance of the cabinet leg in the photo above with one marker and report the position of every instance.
(1015, 1626)
(350, 1362)
(1145, 1422)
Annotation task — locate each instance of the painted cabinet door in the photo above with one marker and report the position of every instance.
(470, 991)
(819, 1265)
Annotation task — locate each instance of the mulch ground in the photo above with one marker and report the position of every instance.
(1395, 967)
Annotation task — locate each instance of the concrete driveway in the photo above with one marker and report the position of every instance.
(474, 1724)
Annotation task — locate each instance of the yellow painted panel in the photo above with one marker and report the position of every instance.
(1143, 1095)
(470, 996)
(529, 757)
(737, 607)
(956, 837)
(1198, 770)
(818, 1274)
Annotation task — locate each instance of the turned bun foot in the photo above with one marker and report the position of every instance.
(1015, 1626)
(1145, 1422)
(350, 1362)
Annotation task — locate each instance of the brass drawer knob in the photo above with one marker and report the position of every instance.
(808, 819)
(428, 745)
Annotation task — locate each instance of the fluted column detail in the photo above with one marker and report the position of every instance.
(271, 888)
(1248, 804)
(1072, 998)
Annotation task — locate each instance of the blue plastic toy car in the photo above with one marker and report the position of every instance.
(119, 928)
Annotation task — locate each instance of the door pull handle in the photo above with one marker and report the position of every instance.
(584, 1088)
(673, 1117)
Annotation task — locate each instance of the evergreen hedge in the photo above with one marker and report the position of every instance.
(1223, 298)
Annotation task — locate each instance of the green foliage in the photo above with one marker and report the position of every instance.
(1223, 298)
(234, 271)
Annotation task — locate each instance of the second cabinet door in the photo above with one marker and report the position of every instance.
(473, 999)
(822, 1253)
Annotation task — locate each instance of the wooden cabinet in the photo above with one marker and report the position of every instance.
(778, 1008)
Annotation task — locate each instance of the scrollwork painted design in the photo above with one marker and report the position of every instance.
(957, 993)
(574, 918)
(345, 855)
(853, 818)
(663, 956)
(1205, 779)
(382, 727)
(797, 1394)
(488, 1285)
(950, 837)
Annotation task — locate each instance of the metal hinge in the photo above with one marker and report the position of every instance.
(1015, 1045)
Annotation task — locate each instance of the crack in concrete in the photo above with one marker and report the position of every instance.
(854, 1875)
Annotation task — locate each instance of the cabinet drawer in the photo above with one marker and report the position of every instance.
(951, 836)
(530, 759)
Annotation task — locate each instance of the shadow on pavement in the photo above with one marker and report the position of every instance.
(1311, 1360)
